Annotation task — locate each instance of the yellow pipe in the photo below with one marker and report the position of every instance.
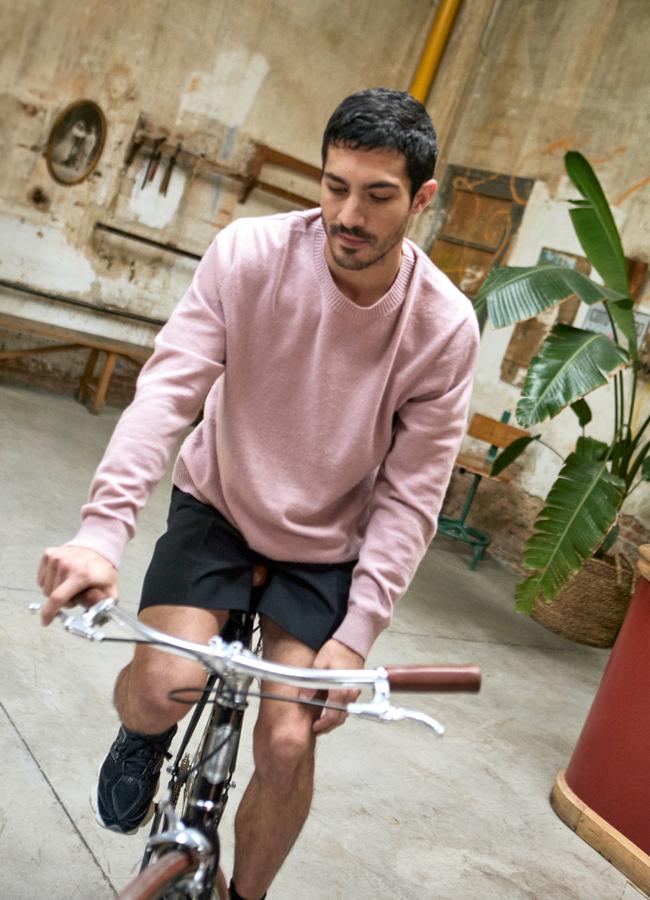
(433, 50)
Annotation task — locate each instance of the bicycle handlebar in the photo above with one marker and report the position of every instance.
(234, 661)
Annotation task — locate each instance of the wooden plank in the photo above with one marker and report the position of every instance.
(478, 465)
(492, 431)
(599, 834)
(135, 352)
(28, 351)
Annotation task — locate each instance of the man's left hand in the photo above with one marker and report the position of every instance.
(334, 655)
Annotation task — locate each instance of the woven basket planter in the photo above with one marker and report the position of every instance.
(591, 608)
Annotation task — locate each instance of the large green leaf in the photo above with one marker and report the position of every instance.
(590, 448)
(595, 226)
(583, 411)
(641, 461)
(514, 293)
(597, 232)
(579, 511)
(571, 363)
(512, 452)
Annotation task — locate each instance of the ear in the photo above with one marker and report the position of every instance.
(424, 196)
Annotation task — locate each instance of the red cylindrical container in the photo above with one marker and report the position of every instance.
(610, 767)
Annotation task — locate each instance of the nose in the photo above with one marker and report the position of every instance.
(351, 212)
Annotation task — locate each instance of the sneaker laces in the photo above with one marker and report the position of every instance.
(139, 748)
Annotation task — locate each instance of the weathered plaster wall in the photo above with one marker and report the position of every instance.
(215, 73)
(535, 79)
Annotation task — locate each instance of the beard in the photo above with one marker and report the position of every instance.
(349, 258)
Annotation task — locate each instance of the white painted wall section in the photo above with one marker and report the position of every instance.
(227, 92)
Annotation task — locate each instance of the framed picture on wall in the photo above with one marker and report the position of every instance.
(76, 142)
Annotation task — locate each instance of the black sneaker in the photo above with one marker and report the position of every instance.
(128, 779)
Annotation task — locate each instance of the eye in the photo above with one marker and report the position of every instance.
(376, 199)
(336, 190)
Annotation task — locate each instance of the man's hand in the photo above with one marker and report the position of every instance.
(334, 655)
(644, 560)
(69, 575)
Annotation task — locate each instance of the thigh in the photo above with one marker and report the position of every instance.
(281, 647)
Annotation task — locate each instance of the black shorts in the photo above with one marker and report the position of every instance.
(203, 561)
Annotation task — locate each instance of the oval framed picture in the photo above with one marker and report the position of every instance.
(76, 142)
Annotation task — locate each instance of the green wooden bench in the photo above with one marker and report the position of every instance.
(498, 434)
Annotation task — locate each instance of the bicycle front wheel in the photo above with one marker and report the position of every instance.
(160, 877)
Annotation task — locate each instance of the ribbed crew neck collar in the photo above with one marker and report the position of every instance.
(387, 304)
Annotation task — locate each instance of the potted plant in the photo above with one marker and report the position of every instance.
(578, 520)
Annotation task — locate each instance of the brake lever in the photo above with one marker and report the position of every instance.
(387, 713)
(84, 625)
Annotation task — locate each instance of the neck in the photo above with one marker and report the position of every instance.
(365, 286)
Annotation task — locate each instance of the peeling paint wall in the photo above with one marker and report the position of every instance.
(218, 76)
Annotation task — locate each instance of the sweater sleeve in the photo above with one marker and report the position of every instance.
(408, 494)
(189, 356)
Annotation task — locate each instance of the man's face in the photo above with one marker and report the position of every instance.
(366, 205)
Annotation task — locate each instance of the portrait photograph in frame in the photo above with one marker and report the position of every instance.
(76, 142)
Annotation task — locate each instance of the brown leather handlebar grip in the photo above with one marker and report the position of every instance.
(436, 679)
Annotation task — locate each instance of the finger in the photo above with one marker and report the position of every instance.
(49, 611)
(334, 718)
(94, 595)
(42, 568)
(50, 575)
(330, 720)
(306, 694)
(63, 594)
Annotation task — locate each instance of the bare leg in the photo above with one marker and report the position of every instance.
(277, 799)
(142, 688)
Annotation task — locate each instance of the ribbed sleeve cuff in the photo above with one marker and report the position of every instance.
(108, 537)
(359, 631)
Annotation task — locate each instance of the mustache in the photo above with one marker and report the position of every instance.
(352, 232)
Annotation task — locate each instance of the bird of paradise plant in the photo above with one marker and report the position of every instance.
(578, 519)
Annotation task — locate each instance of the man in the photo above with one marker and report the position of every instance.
(334, 364)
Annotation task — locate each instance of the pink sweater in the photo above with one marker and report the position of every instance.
(329, 429)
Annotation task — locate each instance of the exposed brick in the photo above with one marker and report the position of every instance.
(506, 513)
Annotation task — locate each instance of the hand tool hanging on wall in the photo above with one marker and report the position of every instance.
(155, 158)
(152, 165)
(132, 152)
(164, 184)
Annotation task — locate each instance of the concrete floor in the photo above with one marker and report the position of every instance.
(397, 813)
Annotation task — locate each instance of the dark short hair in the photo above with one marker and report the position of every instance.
(379, 118)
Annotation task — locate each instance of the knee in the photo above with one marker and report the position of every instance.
(144, 690)
(281, 750)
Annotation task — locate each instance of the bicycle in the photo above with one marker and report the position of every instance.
(181, 859)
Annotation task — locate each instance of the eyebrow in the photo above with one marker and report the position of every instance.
(374, 185)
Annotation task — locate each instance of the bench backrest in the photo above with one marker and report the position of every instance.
(494, 432)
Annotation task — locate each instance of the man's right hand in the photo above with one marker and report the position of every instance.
(69, 575)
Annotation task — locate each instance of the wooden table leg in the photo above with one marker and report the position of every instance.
(102, 385)
(86, 380)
